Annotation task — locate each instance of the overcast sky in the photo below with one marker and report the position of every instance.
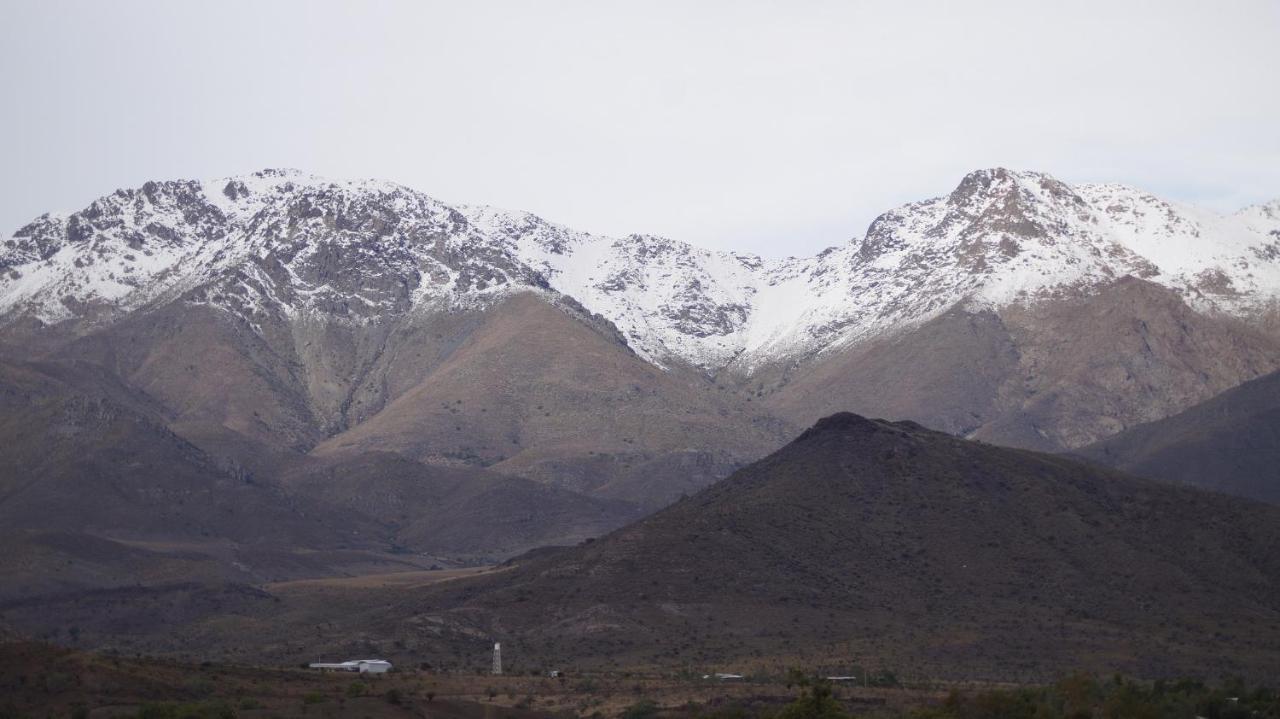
(779, 128)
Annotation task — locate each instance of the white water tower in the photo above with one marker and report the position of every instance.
(497, 658)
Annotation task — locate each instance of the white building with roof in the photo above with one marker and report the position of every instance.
(363, 666)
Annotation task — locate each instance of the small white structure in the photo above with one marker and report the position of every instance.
(723, 677)
(497, 659)
(364, 666)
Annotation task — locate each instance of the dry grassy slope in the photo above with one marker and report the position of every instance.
(536, 391)
(1230, 443)
(52, 564)
(912, 547)
(535, 387)
(86, 462)
(96, 491)
(285, 387)
(1049, 376)
(1133, 354)
(946, 374)
(532, 386)
(207, 369)
(456, 511)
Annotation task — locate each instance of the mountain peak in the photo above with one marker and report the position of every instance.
(999, 180)
(988, 177)
(281, 172)
(1264, 215)
(1000, 237)
(841, 423)
(845, 424)
(1011, 191)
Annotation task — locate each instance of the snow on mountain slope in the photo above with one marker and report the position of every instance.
(1223, 262)
(298, 243)
(362, 250)
(1001, 237)
(671, 300)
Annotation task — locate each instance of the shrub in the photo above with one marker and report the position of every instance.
(357, 689)
(816, 701)
(586, 686)
(885, 678)
(57, 682)
(643, 709)
(199, 686)
(172, 710)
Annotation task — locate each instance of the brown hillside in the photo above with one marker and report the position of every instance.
(537, 392)
(1230, 444)
(913, 547)
(1049, 376)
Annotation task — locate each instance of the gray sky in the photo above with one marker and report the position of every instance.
(779, 128)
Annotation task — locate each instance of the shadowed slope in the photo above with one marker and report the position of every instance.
(915, 548)
(462, 512)
(1230, 444)
(95, 491)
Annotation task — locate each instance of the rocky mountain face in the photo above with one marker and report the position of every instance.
(358, 368)
(1045, 316)
(280, 313)
(1018, 308)
(278, 316)
(1000, 238)
(1049, 375)
(1230, 444)
(359, 289)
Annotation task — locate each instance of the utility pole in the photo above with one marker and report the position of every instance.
(497, 658)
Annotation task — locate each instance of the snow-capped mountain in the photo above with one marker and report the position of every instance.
(283, 241)
(1000, 238)
(355, 250)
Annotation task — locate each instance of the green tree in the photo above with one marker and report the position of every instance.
(357, 689)
(816, 701)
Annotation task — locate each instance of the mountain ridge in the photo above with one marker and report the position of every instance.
(1000, 237)
(280, 313)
